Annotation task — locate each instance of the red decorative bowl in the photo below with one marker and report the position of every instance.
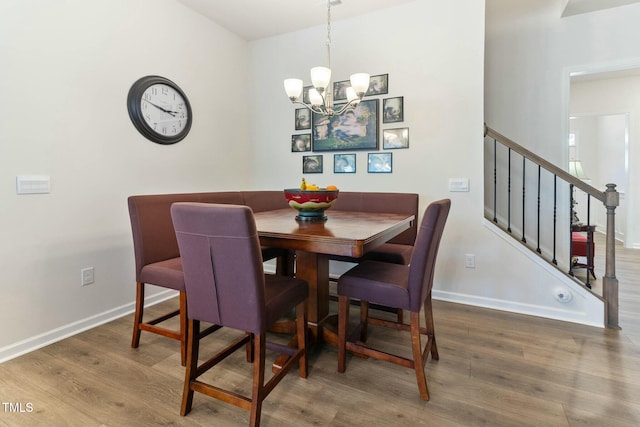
(310, 204)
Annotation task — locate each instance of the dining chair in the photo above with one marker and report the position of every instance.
(397, 250)
(158, 262)
(401, 286)
(226, 286)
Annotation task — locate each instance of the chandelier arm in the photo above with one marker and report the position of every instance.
(310, 107)
(348, 106)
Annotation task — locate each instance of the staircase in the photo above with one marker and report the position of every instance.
(534, 202)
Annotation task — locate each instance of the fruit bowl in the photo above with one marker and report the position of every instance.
(310, 204)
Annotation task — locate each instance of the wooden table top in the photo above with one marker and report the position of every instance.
(343, 233)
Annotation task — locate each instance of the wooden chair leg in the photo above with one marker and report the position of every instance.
(137, 317)
(417, 356)
(301, 326)
(431, 332)
(343, 321)
(183, 328)
(193, 345)
(258, 392)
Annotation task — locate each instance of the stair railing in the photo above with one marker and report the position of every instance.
(558, 181)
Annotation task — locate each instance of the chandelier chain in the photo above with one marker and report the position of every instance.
(329, 32)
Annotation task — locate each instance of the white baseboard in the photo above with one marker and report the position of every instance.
(519, 308)
(22, 347)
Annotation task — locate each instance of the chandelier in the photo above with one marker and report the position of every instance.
(321, 96)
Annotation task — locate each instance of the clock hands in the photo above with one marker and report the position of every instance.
(173, 113)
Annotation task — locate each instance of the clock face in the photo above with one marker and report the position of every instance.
(159, 109)
(164, 110)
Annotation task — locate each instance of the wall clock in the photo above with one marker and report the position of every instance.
(159, 109)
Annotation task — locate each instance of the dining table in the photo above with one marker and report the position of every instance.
(342, 233)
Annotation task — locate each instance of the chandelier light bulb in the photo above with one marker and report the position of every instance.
(360, 83)
(315, 98)
(293, 87)
(320, 77)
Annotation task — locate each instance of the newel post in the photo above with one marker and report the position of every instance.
(610, 282)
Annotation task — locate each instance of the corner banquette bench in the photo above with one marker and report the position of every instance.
(157, 258)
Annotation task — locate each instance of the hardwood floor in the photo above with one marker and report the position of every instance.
(495, 369)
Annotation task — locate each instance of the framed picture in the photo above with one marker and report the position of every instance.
(380, 163)
(303, 119)
(340, 90)
(301, 142)
(395, 138)
(312, 164)
(392, 110)
(305, 94)
(344, 163)
(355, 129)
(378, 85)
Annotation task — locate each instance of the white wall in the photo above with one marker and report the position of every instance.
(65, 70)
(616, 96)
(433, 53)
(530, 52)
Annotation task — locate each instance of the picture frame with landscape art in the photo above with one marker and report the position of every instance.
(378, 85)
(303, 119)
(344, 163)
(395, 138)
(355, 129)
(340, 90)
(312, 164)
(393, 110)
(301, 142)
(380, 163)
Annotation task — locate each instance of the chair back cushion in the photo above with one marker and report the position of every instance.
(222, 264)
(425, 250)
(402, 203)
(151, 226)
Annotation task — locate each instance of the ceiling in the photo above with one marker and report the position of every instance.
(576, 7)
(256, 19)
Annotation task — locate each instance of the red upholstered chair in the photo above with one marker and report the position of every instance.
(226, 285)
(580, 247)
(401, 286)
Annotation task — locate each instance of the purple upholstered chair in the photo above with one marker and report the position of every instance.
(226, 285)
(401, 286)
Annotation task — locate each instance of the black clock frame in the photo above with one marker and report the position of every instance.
(135, 110)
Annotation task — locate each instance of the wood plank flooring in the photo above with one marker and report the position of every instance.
(495, 369)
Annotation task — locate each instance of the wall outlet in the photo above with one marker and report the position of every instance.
(470, 260)
(87, 276)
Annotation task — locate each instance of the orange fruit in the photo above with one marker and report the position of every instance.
(331, 187)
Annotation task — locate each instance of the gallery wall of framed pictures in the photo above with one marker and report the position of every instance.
(375, 126)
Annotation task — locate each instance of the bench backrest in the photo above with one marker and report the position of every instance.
(403, 203)
(154, 238)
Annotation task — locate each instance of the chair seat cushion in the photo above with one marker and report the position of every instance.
(281, 294)
(579, 244)
(166, 273)
(377, 282)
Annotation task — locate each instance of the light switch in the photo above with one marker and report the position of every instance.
(33, 184)
(458, 184)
